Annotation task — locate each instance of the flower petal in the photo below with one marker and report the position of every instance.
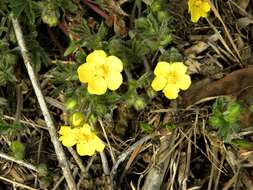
(162, 68)
(86, 72)
(68, 136)
(97, 86)
(85, 129)
(64, 130)
(190, 4)
(171, 91)
(99, 145)
(205, 7)
(96, 57)
(114, 63)
(178, 67)
(84, 149)
(68, 141)
(114, 80)
(195, 14)
(159, 83)
(184, 82)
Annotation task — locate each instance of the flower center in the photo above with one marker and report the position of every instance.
(82, 138)
(102, 70)
(172, 77)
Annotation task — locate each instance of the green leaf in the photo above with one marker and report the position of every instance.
(69, 5)
(217, 122)
(146, 128)
(72, 47)
(241, 143)
(232, 113)
(17, 6)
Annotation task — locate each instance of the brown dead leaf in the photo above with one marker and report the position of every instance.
(232, 84)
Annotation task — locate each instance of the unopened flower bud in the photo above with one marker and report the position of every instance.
(76, 119)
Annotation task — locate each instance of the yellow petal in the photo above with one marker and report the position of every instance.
(114, 63)
(99, 145)
(85, 129)
(64, 130)
(97, 86)
(86, 72)
(114, 80)
(190, 4)
(162, 68)
(195, 14)
(159, 83)
(84, 149)
(171, 91)
(68, 141)
(205, 7)
(68, 136)
(178, 67)
(184, 82)
(96, 57)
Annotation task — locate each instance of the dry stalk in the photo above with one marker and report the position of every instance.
(122, 157)
(51, 128)
(156, 174)
(14, 183)
(20, 162)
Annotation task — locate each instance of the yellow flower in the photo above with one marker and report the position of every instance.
(198, 8)
(86, 141)
(171, 78)
(101, 72)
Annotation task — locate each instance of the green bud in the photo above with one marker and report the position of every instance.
(151, 93)
(155, 6)
(42, 170)
(18, 150)
(162, 16)
(139, 104)
(165, 40)
(50, 15)
(76, 119)
(71, 104)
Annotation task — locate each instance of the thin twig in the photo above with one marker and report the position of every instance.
(51, 128)
(16, 183)
(34, 125)
(20, 162)
(126, 153)
(216, 13)
(104, 163)
(107, 140)
(77, 159)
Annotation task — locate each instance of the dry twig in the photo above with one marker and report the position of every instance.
(20, 162)
(16, 183)
(51, 128)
